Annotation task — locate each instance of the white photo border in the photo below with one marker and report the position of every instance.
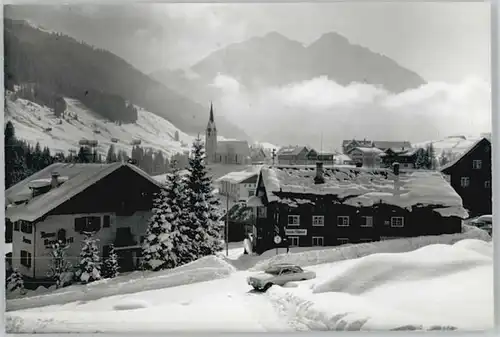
(495, 88)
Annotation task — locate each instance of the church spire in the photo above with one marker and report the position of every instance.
(211, 113)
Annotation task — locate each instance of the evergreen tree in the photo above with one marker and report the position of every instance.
(110, 265)
(181, 248)
(84, 155)
(445, 157)
(90, 263)
(147, 161)
(15, 163)
(111, 157)
(431, 155)
(37, 157)
(15, 282)
(176, 136)
(59, 265)
(158, 163)
(153, 247)
(203, 207)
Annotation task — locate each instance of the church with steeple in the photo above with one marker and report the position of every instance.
(232, 152)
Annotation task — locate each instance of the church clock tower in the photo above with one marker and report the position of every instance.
(211, 138)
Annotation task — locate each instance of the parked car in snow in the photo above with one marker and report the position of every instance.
(484, 222)
(279, 274)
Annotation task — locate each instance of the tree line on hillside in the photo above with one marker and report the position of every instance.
(35, 62)
(184, 227)
(23, 160)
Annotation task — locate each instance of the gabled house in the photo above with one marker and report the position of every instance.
(238, 186)
(343, 159)
(470, 175)
(320, 206)
(366, 156)
(293, 155)
(406, 158)
(64, 200)
(350, 144)
(325, 157)
(397, 146)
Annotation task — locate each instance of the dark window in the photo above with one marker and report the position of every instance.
(124, 237)
(25, 259)
(105, 251)
(106, 221)
(26, 227)
(87, 224)
(61, 235)
(16, 226)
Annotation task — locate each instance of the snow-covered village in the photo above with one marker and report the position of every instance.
(219, 168)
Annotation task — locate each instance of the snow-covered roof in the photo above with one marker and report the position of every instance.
(382, 144)
(362, 142)
(238, 177)
(239, 147)
(359, 186)
(367, 150)
(80, 177)
(465, 153)
(402, 152)
(340, 157)
(292, 150)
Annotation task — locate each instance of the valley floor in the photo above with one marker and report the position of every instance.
(428, 283)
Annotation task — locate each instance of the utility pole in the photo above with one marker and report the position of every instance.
(227, 224)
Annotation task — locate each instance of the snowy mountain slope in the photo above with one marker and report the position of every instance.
(32, 120)
(454, 144)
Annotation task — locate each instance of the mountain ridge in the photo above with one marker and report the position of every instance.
(59, 61)
(275, 60)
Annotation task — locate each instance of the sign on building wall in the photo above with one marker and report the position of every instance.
(48, 243)
(296, 231)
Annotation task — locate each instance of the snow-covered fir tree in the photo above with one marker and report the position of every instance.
(59, 265)
(203, 206)
(110, 266)
(15, 282)
(178, 238)
(153, 249)
(89, 269)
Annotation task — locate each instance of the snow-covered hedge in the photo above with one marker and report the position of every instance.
(313, 257)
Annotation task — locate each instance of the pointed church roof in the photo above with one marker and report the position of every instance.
(211, 113)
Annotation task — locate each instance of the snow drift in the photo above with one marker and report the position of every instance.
(433, 288)
(205, 269)
(319, 256)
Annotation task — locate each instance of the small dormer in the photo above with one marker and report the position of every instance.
(41, 186)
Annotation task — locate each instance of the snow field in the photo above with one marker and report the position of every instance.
(217, 305)
(30, 121)
(438, 287)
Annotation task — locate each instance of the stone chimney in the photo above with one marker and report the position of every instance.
(319, 178)
(395, 168)
(54, 180)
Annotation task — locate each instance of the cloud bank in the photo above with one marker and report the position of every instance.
(320, 112)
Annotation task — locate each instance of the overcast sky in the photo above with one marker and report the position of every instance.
(440, 41)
